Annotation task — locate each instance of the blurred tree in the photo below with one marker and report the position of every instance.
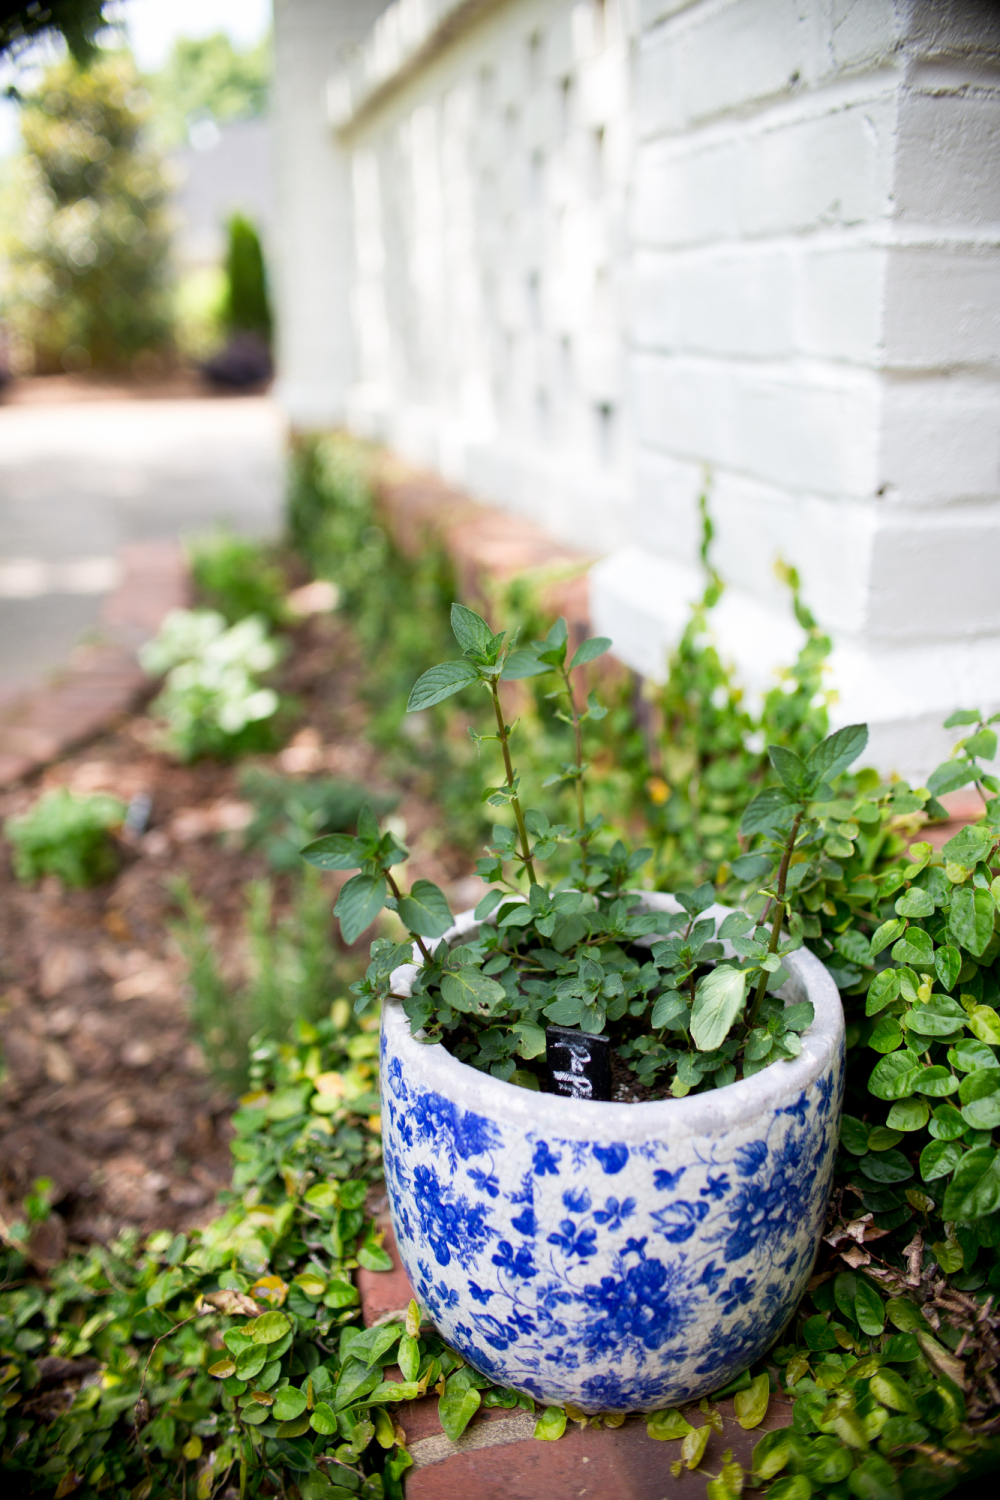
(77, 21)
(205, 77)
(247, 308)
(88, 247)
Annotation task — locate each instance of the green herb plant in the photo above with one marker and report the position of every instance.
(570, 951)
(213, 701)
(67, 835)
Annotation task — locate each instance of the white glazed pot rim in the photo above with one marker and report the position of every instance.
(773, 1088)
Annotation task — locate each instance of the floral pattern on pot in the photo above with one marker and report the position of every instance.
(621, 1257)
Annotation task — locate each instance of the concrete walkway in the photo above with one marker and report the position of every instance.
(78, 480)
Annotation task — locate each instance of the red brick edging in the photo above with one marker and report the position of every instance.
(103, 680)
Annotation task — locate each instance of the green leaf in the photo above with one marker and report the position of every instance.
(751, 866)
(751, 1405)
(886, 933)
(854, 1135)
(769, 812)
(974, 1190)
(962, 716)
(440, 682)
(970, 921)
(269, 1327)
(250, 1362)
(289, 1403)
(874, 1479)
(667, 1425)
(908, 1114)
(914, 947)
(772, 1453)
(836, 753)
(531, 1041)
(425, 910)
(323, 1419)
(457, 1406)
(590, 650)
(889, 1387)
(982, 745)
(335, 851)
(550, 1425)
(950, 775)
(883, 989)
(789, 767)
(524, 663)
(966, 1055)
(947, 963)
(869, 1308)
(894, 1076)
(937, 1081)
(792, 1487)
(667, 1008)
(470, 630)
(356, 1380)
(982, 1114)
(718, 1001)
(472, 992)
(984, 1023)
(374, 1258)
(358, 904)
(939, 1159)
(970, 845)
(886, 1166)
(915, 903)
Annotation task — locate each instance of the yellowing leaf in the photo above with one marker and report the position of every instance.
(330, 1083)
(413, 1320)
(273, 1290)
(550, 1425)
(222, 1369)
(751, 1405)
(668, 1424)
(694, 1445)
(192, 1448)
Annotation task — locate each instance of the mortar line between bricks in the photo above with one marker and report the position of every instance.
(495, 1434)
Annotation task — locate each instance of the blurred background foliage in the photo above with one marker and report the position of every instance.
(87, 236)
(206, 78)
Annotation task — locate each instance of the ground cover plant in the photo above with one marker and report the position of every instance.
(67, 836)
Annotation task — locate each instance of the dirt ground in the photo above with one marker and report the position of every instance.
(105, 1090)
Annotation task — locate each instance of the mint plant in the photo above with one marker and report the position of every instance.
(575, 947)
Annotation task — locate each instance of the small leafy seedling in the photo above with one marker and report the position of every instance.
(68, 836)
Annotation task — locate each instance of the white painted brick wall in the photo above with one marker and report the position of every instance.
(602, 248)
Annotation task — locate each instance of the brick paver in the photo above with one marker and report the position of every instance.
(498, 1458)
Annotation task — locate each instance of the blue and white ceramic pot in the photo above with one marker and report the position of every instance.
(624, 1257)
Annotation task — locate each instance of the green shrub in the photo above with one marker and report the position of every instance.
(206, 78)
(88, 241)
(398, 608)
(237, 576)
(247, 307)
(68, 836)
(212, 702)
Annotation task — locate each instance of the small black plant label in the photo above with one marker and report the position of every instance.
(578, 1064)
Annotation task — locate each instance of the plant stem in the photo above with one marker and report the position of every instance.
(578, 742)
(415, 936)
(779, 916)
(514, 801)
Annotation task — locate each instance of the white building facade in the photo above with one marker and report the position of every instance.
(585, 258)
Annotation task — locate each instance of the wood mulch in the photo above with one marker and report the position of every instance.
(105, 1089)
